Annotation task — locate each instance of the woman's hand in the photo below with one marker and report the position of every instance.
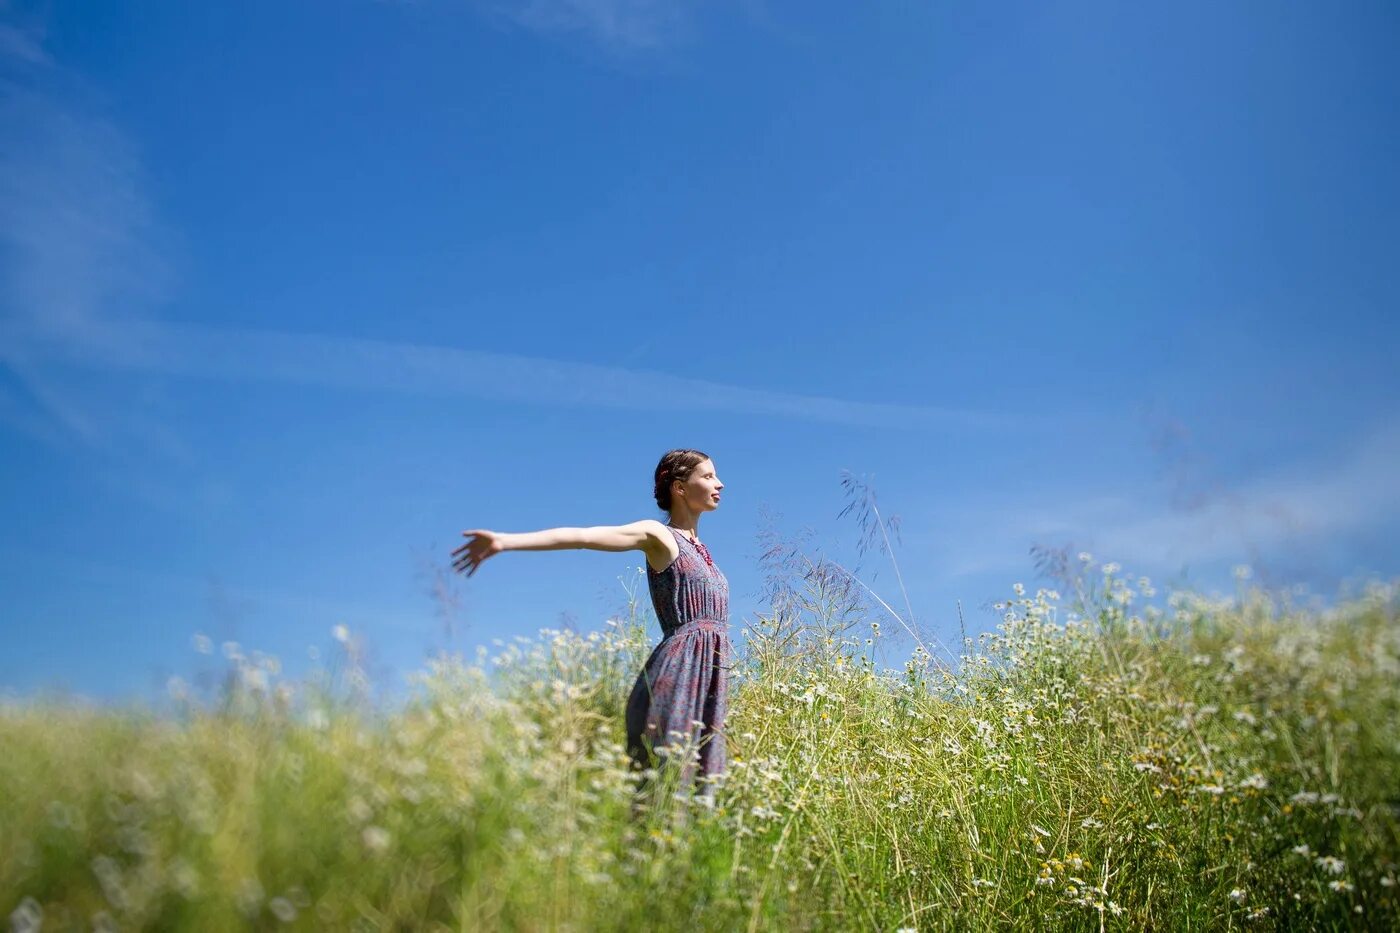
(480, 545)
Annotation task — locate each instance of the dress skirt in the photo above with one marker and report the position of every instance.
(682, 696)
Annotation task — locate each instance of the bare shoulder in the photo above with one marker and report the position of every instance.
(661, 547)
(652, 527)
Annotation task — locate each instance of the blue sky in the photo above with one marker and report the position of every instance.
(294, 292)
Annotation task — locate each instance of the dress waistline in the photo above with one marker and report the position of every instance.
(719, 625)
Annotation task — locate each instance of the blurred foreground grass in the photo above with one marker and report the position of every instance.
(1212, 763)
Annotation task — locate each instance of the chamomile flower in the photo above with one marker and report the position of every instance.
(1331, 864)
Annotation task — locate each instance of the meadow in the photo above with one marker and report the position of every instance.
(1109, 758)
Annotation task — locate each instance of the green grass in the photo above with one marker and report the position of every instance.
(1110, 769)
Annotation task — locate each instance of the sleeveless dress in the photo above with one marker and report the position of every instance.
(682, 694)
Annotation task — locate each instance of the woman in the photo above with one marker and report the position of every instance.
(682, 694)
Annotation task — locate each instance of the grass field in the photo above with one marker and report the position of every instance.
(1112, 760)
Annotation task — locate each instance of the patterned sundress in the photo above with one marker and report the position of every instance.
(682, 694)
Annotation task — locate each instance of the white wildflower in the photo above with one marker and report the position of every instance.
(1239, 896)
(185, 879)
(28, 917)
(248, 897)
(282, 909)
(341, 634)
(376, 838)
(109, 878)
(359, 810)
(254, 679)
(1341, 886)
(1331, 864)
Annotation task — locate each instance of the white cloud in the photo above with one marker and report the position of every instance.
(616, 24)
(76, 230)
(1294, 507)
(73, 217)
(372, 365)
(83, 269)
(18, 46)
(1361, 490)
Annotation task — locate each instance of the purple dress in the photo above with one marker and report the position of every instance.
(683, 691)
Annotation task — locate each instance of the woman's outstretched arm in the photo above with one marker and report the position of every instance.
(647, 535)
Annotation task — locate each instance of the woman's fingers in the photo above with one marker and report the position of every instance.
(467, 557)
(474, 537)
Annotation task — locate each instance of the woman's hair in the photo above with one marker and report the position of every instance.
(675, 465)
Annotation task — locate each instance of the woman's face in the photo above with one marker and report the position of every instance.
(701, 490)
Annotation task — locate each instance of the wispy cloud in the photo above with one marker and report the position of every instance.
(372, 365)
(1294, 508)
(83, 270)
(21, 46)
(75, 227)
(1288, 507)
(74, 218)
(621, 25)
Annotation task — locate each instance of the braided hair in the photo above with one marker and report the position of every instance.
(675, 465)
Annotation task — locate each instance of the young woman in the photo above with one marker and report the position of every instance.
(682, 693)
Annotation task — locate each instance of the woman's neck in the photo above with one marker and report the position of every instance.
(687, 523)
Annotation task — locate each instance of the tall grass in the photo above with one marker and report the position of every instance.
(1211, 763)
